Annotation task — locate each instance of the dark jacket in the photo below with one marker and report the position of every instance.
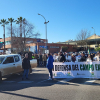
(62, 58)
(83, 59)
(50, 61)
(73, 59)
(40, 57)
(26, 63)
(91, 57)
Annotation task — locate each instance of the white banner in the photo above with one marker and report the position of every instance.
(76, 70)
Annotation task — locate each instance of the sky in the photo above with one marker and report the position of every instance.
(66, 17)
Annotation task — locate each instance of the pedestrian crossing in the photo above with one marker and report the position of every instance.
(77, 81)
(57, 81)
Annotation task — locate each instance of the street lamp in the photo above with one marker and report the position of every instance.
(95, 36)
(45, 29)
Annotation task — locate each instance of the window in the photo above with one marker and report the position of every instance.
(7, 42)
(16, 58)
(54, 47)
(9, 60)
(1, 59)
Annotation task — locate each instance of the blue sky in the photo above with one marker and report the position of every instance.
(66, 17)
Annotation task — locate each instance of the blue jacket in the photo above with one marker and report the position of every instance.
(50, 61)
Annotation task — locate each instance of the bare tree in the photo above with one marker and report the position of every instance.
(82, 37)
(27, 32)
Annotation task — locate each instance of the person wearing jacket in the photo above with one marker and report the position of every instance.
(33, 56)
(73, 58)
(62, 59)
(44, 57)
(83, 59)
(40, 59)
(50, 61)
(26, 66)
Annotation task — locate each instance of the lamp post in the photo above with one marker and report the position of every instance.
(45, 29)
(95, 36)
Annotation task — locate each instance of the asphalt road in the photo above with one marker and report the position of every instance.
(39, 88)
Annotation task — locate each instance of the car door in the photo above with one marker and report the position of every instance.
(8, 65)
(18, 63)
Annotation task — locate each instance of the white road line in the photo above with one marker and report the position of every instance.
(90, 81)
(26, 82)
(64, 81)
(42, 81)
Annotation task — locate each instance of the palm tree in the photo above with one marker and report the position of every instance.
(4, 22)
(19, 21)
(11, 20)
(24, 22)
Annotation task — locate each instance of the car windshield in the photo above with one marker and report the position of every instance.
(1, 59)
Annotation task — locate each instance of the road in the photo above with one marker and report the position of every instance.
(39, 88)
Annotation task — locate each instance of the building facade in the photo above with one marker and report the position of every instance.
(37, 45)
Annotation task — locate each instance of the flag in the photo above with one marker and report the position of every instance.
(88, 51)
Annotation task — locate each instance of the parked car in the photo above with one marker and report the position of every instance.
(12, 63)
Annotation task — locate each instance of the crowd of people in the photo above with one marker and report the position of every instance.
(76, 57)
(66, 57)
(47, 60)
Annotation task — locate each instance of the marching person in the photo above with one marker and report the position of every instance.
(73, 58)
(50, 61)
(96, 58)
(62, 59)
(54, 57)
(91, 56)
(89, 59)
(83, 59)
(26, 66)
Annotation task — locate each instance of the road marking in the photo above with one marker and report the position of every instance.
(42, 81)
(90, 81)
(26, 82)
(64, 81)
(9, 81)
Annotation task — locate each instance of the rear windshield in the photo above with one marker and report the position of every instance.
(1, 59)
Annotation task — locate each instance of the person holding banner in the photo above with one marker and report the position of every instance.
(50, 61)
(96, 58)
(83, 59)
(62, 57)
(89, 59)
(73, 58)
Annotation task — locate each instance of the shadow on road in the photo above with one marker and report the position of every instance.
(39, 80)
(24, 96)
